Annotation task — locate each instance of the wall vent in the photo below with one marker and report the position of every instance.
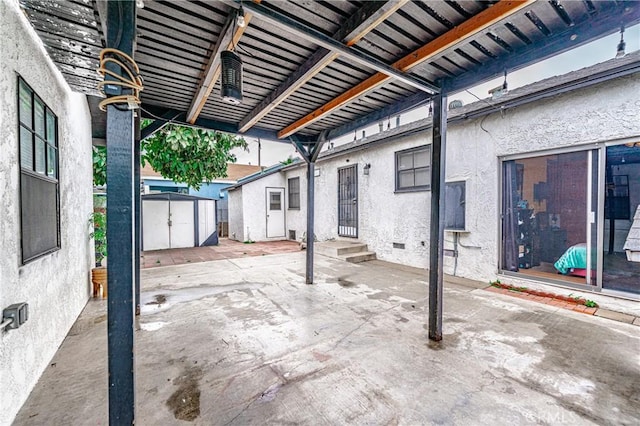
(398, 245)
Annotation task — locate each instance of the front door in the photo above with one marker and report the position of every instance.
(348, 201)
(275, 212)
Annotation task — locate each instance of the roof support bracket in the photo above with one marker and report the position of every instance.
(327, 42)
(370, 15)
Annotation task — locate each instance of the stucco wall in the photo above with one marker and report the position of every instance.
(296, 219)
(255, 206)
(600, 113)
(236, 215)
(384, 217)
(56, 286)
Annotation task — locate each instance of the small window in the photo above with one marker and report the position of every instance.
(413, 169)
(294, 193)
(39, 187)
(274, 201)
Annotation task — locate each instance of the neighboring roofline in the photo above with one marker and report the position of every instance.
(543, 89)
(174, 195)
(264, 173)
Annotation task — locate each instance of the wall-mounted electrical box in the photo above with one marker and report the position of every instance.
(18, 312)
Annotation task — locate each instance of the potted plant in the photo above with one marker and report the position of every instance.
(98, 222)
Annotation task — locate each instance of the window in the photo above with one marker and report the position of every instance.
(39, 189)
(413, 169)
(294, 193)
(274, 201)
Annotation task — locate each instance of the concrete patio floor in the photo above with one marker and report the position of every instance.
(245, 341)
(226, 249)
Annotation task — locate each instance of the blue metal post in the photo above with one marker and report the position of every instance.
(138, 200)
(120, 229)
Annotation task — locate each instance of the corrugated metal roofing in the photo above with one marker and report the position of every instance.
(176, 39)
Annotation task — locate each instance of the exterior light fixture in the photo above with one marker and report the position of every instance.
(231, 87)
(366, 168)
(620, 52)
(240, 18)
(140, 4)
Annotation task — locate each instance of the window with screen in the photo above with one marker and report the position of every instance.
(39, 189)
(274, 201)
(294, 193)
(413, 169)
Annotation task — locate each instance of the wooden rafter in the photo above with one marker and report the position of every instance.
(361, 23)
(227, 39)
(454, 36)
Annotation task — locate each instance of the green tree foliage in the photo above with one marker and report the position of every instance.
(190, 155)
(99, 165)
(182, 154)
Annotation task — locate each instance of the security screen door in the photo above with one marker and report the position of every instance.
(348, 201)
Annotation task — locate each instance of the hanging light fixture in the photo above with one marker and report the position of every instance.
(231, 87)
(620, 51)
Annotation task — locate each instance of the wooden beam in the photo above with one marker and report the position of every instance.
(227, 39)
(370, 15)
(452, 37)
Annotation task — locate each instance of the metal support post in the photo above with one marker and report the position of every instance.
(438, 150)
(310, 217)
(120, 230)
(136, 196)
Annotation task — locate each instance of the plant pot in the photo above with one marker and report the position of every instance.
(99, 280)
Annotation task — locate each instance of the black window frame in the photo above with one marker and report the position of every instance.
(28, 173)
(413, 150)
(292, 195)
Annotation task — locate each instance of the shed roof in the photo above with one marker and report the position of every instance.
(314, 67)
(234, 172)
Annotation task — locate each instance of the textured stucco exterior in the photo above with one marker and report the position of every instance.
(55, 286)
(577, 120)
(250, 222)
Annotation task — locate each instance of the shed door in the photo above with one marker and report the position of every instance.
(275, 212)
(348, 201)
(155, 225)
(181, 221)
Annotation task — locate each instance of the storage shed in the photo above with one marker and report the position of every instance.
(171, 220)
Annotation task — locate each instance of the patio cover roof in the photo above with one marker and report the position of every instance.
(313, 70)
(293, 83)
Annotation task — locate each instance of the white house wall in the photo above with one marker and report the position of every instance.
(600, 113)
(255, 207)
(55, 286)
(384, 217)
(296, 219)
(236, 215)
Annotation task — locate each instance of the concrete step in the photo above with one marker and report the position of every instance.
(339, 249)
(362, 256)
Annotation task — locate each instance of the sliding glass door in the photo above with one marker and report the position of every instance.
(549, 217)
(622, 216)
(574, 218)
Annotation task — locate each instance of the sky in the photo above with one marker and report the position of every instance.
(591, 53)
